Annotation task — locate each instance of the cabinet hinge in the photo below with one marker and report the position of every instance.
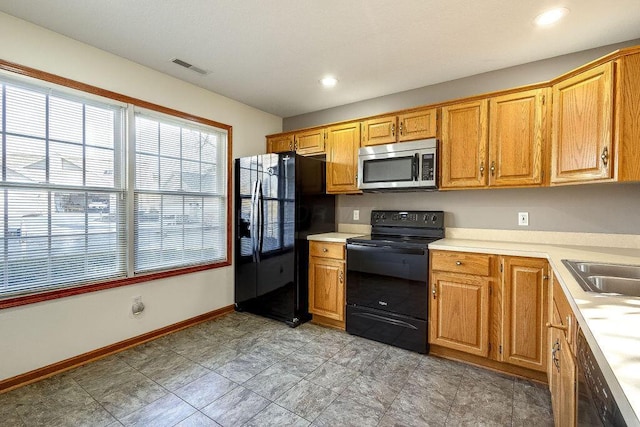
(489, 347)
(490, 290)
(544, 99)
(501, 267)
(500, 349)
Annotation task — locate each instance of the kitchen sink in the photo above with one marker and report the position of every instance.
(616, 285)
(613, 270)
(598, 277)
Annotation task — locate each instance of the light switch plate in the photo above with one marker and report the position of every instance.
(356, 214)
(523, 219)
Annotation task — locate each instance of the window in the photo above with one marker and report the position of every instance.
(180, 186)
(98, 191)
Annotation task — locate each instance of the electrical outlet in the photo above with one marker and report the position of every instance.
(523, 219)
(356, 214)
(137, 307)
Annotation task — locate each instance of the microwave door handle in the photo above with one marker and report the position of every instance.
(415, 166)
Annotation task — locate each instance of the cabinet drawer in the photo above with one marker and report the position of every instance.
(327, 250)
(460, 262)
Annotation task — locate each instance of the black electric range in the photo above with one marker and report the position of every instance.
(388, 278)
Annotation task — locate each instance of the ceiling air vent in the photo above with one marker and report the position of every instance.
(185, 64)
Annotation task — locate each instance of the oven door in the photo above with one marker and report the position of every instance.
(391, 279)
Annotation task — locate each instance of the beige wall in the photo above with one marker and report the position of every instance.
(40, 334)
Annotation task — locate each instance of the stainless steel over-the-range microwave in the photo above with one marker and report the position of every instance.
(398, 166)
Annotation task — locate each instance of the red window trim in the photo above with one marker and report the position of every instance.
(93, 287)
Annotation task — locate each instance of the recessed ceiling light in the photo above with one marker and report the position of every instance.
(329, 81)
(550, 16)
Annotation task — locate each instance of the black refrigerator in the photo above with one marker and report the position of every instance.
(280, 199)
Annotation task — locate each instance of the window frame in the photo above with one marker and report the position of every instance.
(44, 76)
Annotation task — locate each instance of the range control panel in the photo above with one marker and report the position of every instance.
(415, 219)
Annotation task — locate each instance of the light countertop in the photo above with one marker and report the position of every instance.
(332, 237)
(611, 324)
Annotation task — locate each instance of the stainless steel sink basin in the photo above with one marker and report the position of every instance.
(613, 270)
(616, 285)
(616, 279)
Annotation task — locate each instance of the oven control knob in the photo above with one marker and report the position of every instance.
(434, 218)
(383, 217)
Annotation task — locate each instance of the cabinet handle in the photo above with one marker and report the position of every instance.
(290, 146)
(561, 327)
(605, 156)
(493, 168)
(325, 250)
(295, 146)
(482, 169)
(401, 128)
(393, 129)
(341, 278)
(458, 262)
(545, 277)
(434, 291)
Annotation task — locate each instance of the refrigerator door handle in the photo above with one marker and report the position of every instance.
(253, 227)
(260, 218)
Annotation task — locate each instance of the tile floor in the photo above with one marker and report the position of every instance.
(246, 370)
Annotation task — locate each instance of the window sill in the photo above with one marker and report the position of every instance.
(93, 287)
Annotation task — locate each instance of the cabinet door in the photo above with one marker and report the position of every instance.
(379, 131)
(464, 145)
(417, 125)
(310, 142)
(515, 138)
(326, 288)
(459, 313)
(343, 142)
(582, 131)
(280, 143)
(562, 377)
(525, 308)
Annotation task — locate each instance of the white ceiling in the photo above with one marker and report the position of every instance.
(270, 54)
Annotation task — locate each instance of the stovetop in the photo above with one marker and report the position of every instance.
(403, 228)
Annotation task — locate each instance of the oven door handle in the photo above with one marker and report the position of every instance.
(415, 166)
(385, 320)
(365, 247)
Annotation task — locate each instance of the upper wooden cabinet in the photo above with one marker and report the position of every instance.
(496, 142)
(404, 127)
(379, 131)
(582, 138)
(463, 151)
(280, 143)
(310, 142)
(596, 124)
(417, 125)
(516, 137)
(343, 142)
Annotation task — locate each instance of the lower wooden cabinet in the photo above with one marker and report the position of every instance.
(490, 306)
(327, 283)
(460, 313)
(524, 309)
(562, 364)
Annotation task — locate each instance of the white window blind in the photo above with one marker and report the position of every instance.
(62, 212)
(180, 193)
